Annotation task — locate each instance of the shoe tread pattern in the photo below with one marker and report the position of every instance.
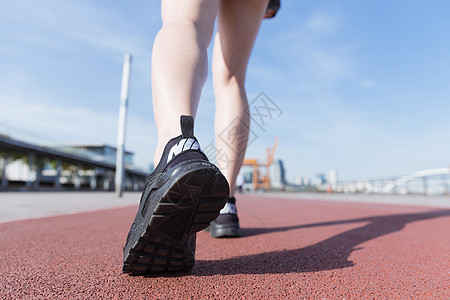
(168, 242)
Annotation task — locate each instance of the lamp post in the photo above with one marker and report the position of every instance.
(120, 172)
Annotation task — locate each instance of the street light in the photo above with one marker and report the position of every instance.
(120, 172)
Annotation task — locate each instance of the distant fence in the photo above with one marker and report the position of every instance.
(427, 182)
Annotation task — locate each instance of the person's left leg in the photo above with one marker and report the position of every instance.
(238, 25)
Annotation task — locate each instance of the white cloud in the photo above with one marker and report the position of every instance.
(44, 123)
(367, 83)
(327, 64)
(325, 22)
(64, 107)
(313, 55)
(71, 25)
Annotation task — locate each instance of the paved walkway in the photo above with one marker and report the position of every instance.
(28, 205)
(296, 247)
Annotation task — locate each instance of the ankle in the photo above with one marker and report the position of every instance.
(158, 152)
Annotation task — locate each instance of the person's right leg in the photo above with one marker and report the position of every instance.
(239, 22)
(238, 25)
(180, 63)
(185, 192)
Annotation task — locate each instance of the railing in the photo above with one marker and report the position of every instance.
(427, 182)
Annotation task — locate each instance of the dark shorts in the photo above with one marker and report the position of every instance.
(274, 5)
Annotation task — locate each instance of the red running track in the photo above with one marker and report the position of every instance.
(291, 249)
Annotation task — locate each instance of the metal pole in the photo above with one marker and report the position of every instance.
(5, 159)
(31, 167)
(57, 182)
(120, 172)
(77, 177)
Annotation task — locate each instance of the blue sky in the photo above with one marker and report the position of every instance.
(363, 86)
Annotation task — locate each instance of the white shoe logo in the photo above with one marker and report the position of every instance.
(183, 145)
(229, 208)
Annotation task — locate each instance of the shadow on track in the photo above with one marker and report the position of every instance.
(329, 254)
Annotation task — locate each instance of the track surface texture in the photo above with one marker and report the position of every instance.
(291, 248)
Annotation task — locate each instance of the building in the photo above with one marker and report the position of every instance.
(29, 166)
(104, 152)
(277, 175)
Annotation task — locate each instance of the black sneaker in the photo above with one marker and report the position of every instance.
(181, 197)
(227, 223)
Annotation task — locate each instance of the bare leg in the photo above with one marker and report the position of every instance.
(239, 22)
(180, 63)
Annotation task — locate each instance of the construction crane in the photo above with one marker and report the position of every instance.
(261, 180)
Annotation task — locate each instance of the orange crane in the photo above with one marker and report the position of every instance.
(262, 180)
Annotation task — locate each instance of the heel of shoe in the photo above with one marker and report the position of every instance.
(224, 230)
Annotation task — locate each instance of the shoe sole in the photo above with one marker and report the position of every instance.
(225, 230)
(185, 204)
